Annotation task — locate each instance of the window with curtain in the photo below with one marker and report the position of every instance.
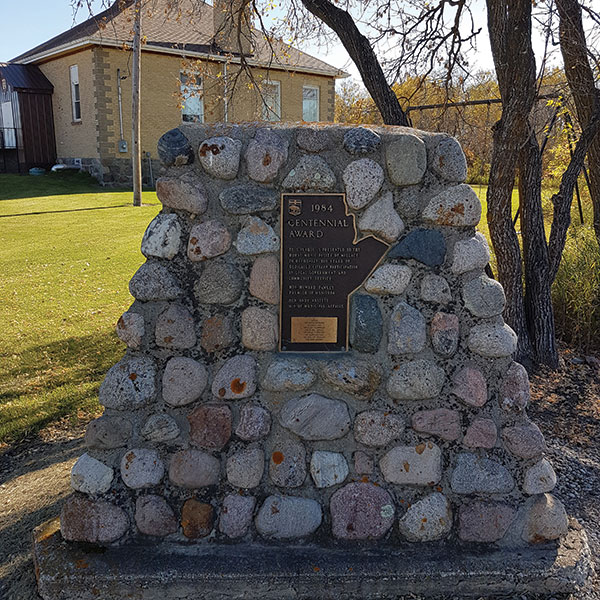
(192, 99)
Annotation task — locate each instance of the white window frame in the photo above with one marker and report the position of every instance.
(318, 89)
(191, 90)
(268, 114)
(75, 93)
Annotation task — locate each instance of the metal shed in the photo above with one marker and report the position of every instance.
(26, 119)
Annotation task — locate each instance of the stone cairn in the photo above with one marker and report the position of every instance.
(417, 433)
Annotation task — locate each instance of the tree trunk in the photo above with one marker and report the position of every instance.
(136, 148)
(361, 52)
(581, 82)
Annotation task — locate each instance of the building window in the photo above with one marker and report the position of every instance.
(310, 103)
(192, 100)
(75, 100)
(271, 98)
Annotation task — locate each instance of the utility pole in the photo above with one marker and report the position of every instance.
(136, 151)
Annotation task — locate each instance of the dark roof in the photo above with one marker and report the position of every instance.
(191, 30)
(25, 77)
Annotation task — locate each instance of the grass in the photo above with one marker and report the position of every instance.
(68, 247)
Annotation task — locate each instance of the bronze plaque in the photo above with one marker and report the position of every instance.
(322, 263)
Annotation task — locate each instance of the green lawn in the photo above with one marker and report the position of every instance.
(68, 247)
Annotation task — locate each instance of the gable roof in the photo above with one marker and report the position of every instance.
(25, 77)
(190, 31)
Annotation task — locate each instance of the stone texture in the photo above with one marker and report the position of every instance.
(248, 199)
(484, 522)
(108, 432)
(477, 475)
(470, 385)
(311, 173)
(287, 464)
(288, 517)
(441, 422)
(413, 465)
(445, 334)
(265, 155)
(524, 441)
(435, 288)
(175, 328)
(470, 254)
(458, 206)
(182, 193)
(448, 160)
(254, 424)
(406, 159)
(312, 139)
(407, 330)
(416, 380)
(93, 521)
(246, 467)
(193, 469)
(129, 384)
(219, 283)
(546, 520)
(539, 478)
(427, 246)
(236, 515)
(160, 428)
(131, 329)
(389, 279)
(90, 476)
(358, 379)
(175, 149)
(515, 393)
(315, 417)
(382, 220)
(481, 433)
(361, 511)
(153, 516)
(220, 157)
(264, 279)
(184, 380)
(363, 179)
(377, 428)
(142, 468)
(210, 426)
(363, 463)
(162, 237)
(427, 520)
(217, 333)
(360, 140)
(207, 240)
(492, 340)
(196, 519)
(260, 329)
(284, 375)
(328, 468)
(235, 379)
(256, 237)
(483, 297)
(366, 323)
(153, 281)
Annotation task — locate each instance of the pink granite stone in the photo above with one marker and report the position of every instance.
(470, 386)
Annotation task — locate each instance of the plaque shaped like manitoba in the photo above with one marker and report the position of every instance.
(251, 449)
(322, 263)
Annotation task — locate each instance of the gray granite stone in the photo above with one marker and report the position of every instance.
(458, 206)
(254, 424)
(175, 328)
(236, 515)
(427, 520)
(153, 281)
(413, 465)
(539, 478)
(328, 468)
(424, 245)
(311, 173)
(524, 441)
(160, 428)
(448, 160)
(182, 193)
(220, 156)
(108, 432)
(445, 334)
(219, 283)
(363, 463)
(406, 159)
(389, 279)
(382, 220)
(287, 463)
(470, 254)
(284, 375)
(256, 237)
(264, 279)
(515, 393)
(360, 140)
(217, 333)
(416, 380)
(265, 155)
(358, 379)
(377, 427)
(142, 468)
(260, 329)
(484, 297)
(407, 330)
(193, 469)
(153, 516)
(435, 288)
(93, 521)
(363, 179)
(484, 522)
(366, 323)
(441, 422)
(312, 139)
(184, 380)
(315, 417)
(546, 520)
(477, 475)
(248, 199)
(492, 340)
(288, 517)
(131, 329)
(162, 237)
(175, 149)
(235, 379)
(246, 467)
(207, 240)
(129, 384)
(90, 476)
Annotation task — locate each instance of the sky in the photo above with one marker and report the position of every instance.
(27, 23)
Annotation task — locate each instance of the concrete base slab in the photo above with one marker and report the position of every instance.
(163, 571)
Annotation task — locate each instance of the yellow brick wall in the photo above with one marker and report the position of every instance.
(75, 140)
